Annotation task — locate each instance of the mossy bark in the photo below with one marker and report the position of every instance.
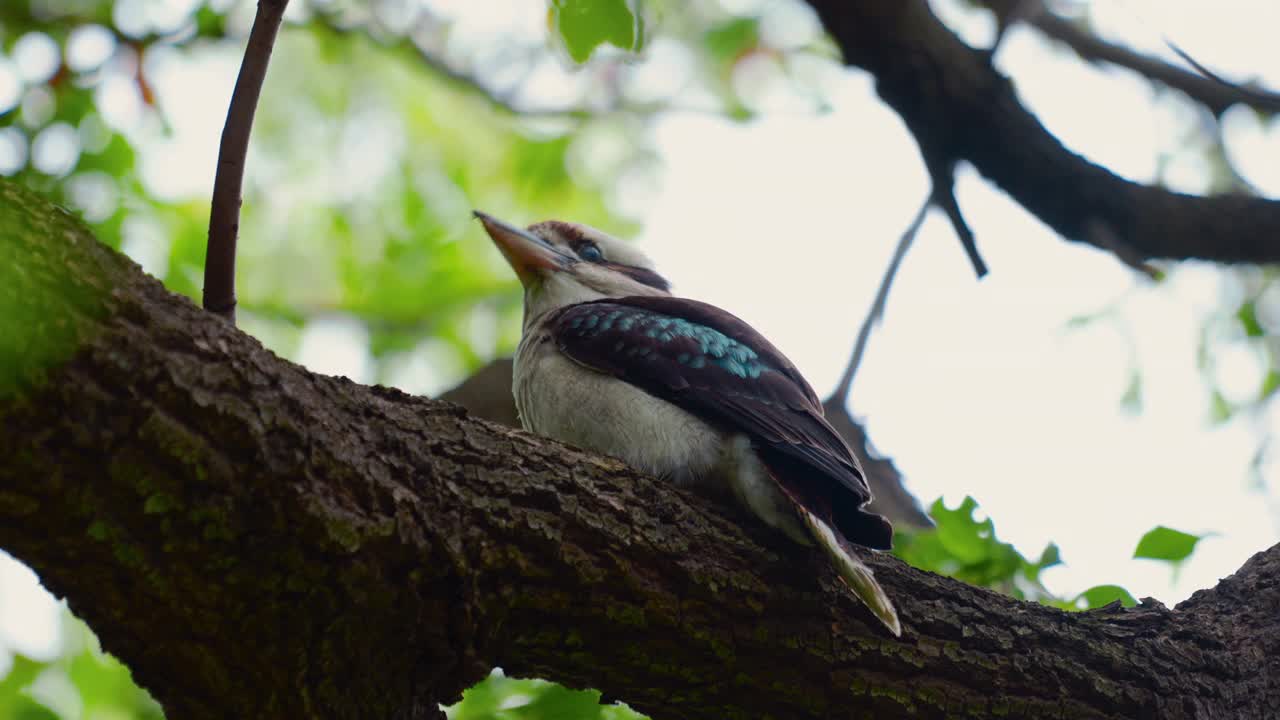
(255, 540)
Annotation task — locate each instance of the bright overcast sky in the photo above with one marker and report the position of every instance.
(974, 388)
(979, 388)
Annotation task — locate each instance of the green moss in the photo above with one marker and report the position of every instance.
(902, 698)
(44, 298)
(98, 530)
(15, 505)
(626, 614)
(213, 521)
(343, 533)
(932, 697)
(906, 653)
(214, 532)
(128, 554)
(175, 442)
(159, 503)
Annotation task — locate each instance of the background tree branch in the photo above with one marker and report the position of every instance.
(1214, 94)
(959, 107)
(256, 540)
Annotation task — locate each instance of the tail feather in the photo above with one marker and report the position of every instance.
(852, 571)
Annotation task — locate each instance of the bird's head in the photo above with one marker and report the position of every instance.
(561, 263)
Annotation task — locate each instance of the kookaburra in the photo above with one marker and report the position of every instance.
(611, 361)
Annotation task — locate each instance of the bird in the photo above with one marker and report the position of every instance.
(610, 360)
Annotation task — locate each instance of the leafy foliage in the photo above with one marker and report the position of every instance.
(502, 698)
(82, 681)
(967, 549)
(963, 547)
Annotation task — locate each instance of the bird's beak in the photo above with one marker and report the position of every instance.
(529, 255)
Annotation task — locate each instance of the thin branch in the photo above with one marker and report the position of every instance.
(944, 196)
(1252, 96)
(1101, 235)
(506, 99)
(1204, 88)
(503, 100)
(876, 312)
(224, 213)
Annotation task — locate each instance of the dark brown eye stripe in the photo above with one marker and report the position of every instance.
(643, 276)
(576, 239)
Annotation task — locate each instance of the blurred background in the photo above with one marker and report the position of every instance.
(1080, 432)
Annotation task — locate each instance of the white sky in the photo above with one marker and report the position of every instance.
(978, 388)
(974, 388)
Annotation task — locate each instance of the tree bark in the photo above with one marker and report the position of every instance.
(960, 108)
(255, 540)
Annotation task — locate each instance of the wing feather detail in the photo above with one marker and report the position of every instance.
(717, 367)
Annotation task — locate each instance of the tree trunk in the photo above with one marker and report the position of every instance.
(258, 541)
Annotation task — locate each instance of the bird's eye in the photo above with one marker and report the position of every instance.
(590, 252)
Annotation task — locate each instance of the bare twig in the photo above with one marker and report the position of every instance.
(224, 213)
(944, 196)
(1103, 236)
(876, 312)
(1008, 14)
(503, 100)
(1257, 98)
(1205, 88)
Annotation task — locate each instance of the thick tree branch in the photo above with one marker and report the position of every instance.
(959, 107)
(258, 541)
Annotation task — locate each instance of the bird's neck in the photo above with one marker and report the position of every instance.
(560, 291)
(552, 294)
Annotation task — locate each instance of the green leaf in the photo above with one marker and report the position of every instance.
(1075, 322)
(960, 534)
(1162, 543)
(1100, 595)
(498, 696)
(585, 25)
(1050, 557)
(556, 701)
(731, 40)
(1269, 385)
(968, 550)
(1131, 401)
(1248, 316)
(1220, 409)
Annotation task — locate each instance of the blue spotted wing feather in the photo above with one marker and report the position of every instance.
(717, 367)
